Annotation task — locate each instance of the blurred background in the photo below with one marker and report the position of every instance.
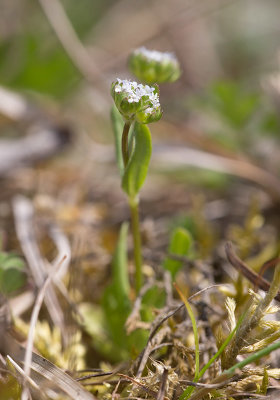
(68, 52)
(59, 57)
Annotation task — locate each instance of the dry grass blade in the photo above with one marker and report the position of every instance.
(23, 213)
(134, 316)
(34, 318)
(63, 248)
(135, 382)
(157, 338)
(27, 378)
(162, 388)
(49, 374)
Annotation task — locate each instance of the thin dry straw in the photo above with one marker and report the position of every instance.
(33, 321)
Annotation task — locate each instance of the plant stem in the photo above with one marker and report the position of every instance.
(125, 153)
(134, 211)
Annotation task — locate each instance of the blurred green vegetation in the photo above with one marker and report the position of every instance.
(237, 116)
(31, 57)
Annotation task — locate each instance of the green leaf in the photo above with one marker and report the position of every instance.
(12, 275)
(118, 124)
(180, 244)
(116, 303)
(95, 325)
(137, 167)
(106, 324)
(116, 296)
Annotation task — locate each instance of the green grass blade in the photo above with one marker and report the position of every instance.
(253, 358)
(223, 346)
(189, 390)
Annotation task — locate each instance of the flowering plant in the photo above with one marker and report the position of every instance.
(136, 105)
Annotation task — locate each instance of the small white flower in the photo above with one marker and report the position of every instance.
(136, 101)
(154, 55)
(152, 66)
(135, 92)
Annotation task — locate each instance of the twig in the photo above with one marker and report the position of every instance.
(135, 382)
(84, 378)
(114, 394)
(252, 276)
(148, 349)
(162, 388)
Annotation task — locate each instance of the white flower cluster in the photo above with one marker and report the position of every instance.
(154, 55)
(136, 91)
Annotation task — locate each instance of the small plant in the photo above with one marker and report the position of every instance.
(138, 106)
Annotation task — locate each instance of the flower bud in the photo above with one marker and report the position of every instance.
(151, 66)
(136, 102)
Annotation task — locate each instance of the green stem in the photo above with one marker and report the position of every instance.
(125, 152)
(134, 211)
